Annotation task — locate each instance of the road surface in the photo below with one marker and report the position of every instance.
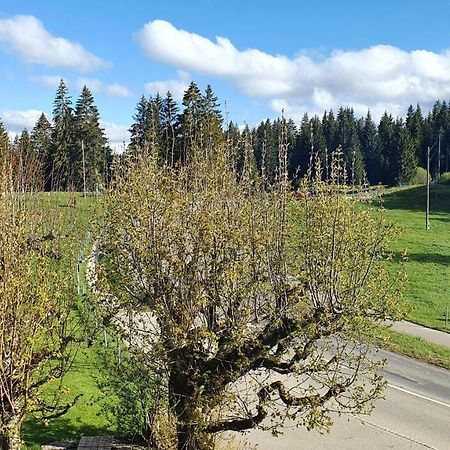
(415, 414)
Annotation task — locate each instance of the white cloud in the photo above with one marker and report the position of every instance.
(97, 86)
(117, 90)
(176, 88)
(379, 77)
(16, 121)
(27, 37)
(51, 81)
(116, 134)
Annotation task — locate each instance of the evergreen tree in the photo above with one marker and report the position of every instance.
(386, 134)
(190, 120)
(41, 142)
(25, 146)
(319, 145)
(300, 157)
(154, 128)
(211, 119)
(329, 126)
(347, 135)
(371, 149)
(266, 150)
(91, 155)
(4, 139)
(232, 142)
(171, 129)
(407, 165)
(139, 134)
(61, 140)
(414, 125)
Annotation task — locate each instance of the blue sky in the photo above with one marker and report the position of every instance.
(259, 56)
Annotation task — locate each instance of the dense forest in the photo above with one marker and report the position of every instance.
(387, 153)
(72, 151)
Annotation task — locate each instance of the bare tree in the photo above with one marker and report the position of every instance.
(258, 301)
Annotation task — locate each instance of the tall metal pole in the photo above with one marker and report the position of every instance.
(84, 170)
(439, 156)
(446, 160)
(427, 213)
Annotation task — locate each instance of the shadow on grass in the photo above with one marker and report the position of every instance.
(35, 432)
(432, 258)
(414, 199)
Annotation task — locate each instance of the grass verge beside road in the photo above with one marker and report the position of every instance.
(414, 347)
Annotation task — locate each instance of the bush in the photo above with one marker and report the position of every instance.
(444, 178)
(420, 177)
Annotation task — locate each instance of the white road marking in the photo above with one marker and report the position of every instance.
(418, 395)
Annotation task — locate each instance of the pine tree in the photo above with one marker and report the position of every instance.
(386, 134)
(371, 149)
(266, 149)
(301, 153)
(60, 171)
(211, 119)
(90, 156)
(407, 154)
(319, 144)
(154, 127)
(139, 138)
(190, 120)
(41, 142)
(414, 125)
(329, 126)
(4, 139)
(347, 134)
(171, 129)
(25, 146)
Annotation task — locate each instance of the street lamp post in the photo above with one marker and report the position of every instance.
(427, 211)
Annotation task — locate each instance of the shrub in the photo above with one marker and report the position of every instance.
(445, 178)
(420, 177)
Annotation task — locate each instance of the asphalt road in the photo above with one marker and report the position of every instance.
(415, 414)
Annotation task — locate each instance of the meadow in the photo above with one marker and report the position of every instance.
(427, 251)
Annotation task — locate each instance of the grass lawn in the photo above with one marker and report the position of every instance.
(89, 416)
(428, 263)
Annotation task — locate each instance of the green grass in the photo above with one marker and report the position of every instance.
(89, 416)
(428, 263)
(414, 347)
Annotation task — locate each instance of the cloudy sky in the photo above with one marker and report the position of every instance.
(261, 57)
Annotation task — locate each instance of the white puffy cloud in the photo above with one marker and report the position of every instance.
(27, 37)
(116, 134)
(379, 77)
(117, 90)
(16, 121)
(97, 86)
(94, 84)
(51, 81)
(176, 88)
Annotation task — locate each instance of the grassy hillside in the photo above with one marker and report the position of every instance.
(428, 264)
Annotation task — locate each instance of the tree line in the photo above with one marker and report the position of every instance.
(388, 152)
(72, 151)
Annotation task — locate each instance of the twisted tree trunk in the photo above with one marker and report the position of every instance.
(11, 434)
